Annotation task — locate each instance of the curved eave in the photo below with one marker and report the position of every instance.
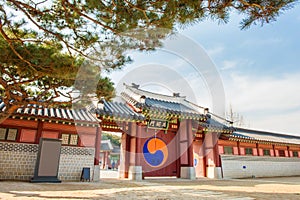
(56, 120)
(111, 127)
(218, 129)
(255, 140)
(163, 113)
(119, 116)
(119, 112)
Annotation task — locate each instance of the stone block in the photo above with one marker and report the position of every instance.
(188, 173)
(135, 173)
(96, 173)
(214, 172)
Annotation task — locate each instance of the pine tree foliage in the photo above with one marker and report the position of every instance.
(44, 43)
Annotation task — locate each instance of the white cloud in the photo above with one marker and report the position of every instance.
(262, 42)
(229, 64)
(215, 51)
(268, 102)
(284, 122)
(263, 93)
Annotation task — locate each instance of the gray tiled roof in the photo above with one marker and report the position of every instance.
(214, 124)
(64, 114)
(106, 145)
(160, 103)
(119, 110)
(168, 105)
(264, 136)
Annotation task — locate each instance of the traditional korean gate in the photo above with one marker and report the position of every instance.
(159, 154)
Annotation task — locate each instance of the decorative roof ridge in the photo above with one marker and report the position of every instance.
(133, 94)
(234, 137)
(148, 94)
(163, 100)
(247, 130)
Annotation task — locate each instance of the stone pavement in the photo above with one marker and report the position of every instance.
(156, 189)
(108, 174)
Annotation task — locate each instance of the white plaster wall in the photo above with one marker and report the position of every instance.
(258, 166)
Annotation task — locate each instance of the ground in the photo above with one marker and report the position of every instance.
(158, 189)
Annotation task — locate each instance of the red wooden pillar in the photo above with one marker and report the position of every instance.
(186, 154)
(216, 150)
(204, 159)
(239, 147)
(190, 138)
(105, 161)
(274, 150)
(211, 153)
(177, 149)
(138, 145)
(259, 153)
(212, 158)
(122, 156)
(97, 145)
(287, 152)
(127, 151)
(39, 132)
(132, 144)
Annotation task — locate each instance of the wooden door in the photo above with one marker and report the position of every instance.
(159, 154)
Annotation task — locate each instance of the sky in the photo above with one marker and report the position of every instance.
(259, 69)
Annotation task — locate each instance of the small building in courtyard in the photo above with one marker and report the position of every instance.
(109, 155)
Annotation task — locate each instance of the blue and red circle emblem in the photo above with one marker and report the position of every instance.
(155, 152)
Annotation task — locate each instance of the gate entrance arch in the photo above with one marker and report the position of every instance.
(158, 134)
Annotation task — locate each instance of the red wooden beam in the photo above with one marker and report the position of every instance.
(97, 145)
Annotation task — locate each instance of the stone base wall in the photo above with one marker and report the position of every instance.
(72, 160)
(17, 161)
(259, 166)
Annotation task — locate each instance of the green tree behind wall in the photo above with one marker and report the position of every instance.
(115, 139)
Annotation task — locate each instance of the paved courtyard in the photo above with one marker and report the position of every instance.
(158, 189)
